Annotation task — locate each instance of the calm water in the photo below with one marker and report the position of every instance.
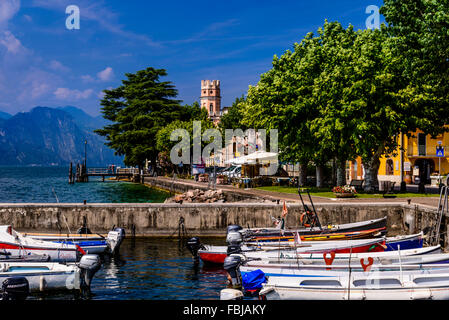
(153, 269)
(150, 269)
(33, 184)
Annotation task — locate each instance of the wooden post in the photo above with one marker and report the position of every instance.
(71, 181)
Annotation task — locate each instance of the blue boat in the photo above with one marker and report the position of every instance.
(413, 241)
(89, 246)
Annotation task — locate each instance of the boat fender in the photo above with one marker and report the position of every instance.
(89, 265)
(15, 288)
(231, 265)
(194, 245)
(42, 283)
(231, 294)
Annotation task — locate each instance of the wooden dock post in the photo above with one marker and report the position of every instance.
(71, 178)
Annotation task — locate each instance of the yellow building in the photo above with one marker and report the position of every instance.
(419, 161)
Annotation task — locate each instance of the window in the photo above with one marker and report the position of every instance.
(421, 144)
(211, 108)
(389, 167)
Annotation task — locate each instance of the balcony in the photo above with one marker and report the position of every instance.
(425, 151)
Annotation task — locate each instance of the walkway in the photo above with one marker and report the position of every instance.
(290, 197)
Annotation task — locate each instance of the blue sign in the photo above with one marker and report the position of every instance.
(440, 151)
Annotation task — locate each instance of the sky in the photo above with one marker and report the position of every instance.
(44, 63)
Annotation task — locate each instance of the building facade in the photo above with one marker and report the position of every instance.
(211, 99)
(423, 159)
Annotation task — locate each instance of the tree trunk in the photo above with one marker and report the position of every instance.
(371, 170)
(341, 172)
(302, 178)
(319, 176)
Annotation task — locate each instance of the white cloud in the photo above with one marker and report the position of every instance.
(68, 94)
(11, 43)
(106, 75)
(8, 8)
(58, 66)
(87, 78)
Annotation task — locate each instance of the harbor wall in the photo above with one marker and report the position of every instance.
(205, 219)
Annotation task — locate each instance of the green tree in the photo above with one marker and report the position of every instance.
(138, 109)
(282, 100)
(233, 118)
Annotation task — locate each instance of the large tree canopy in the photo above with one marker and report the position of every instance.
(138, 109)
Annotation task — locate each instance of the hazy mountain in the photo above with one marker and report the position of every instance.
(4, 115)
(53, 136)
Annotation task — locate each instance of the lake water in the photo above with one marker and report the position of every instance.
(153, 269)
(147, 268)
(50, 185)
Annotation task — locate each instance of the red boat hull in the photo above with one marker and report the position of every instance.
(218, 257)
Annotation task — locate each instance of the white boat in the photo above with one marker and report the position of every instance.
(291, 255)
(14, 243)
(92, 243)
(49, 276)
(410, 286)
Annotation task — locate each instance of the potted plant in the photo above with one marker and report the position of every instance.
(204, 177)
(344, 191)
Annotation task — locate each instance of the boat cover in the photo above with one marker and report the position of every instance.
(253, 280)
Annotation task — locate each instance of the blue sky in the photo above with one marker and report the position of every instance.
(44, 63)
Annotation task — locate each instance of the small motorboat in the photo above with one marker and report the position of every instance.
(381, 282)
(49, 276)
(217, 254)
(410, 286)
(93, 243)
(250, 234)
(14, 243)
(351, 235)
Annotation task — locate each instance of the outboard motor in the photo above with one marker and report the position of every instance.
(233, 228)
(231, 265)
(194, 244)
(114, 239)
(234, 238)
(89, 265)
(15, 288)
(233, 249)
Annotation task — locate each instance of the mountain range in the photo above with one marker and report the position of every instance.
(53, 137)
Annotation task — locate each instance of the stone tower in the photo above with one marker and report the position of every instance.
(211, 99)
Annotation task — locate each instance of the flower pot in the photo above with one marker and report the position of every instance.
(344, 194)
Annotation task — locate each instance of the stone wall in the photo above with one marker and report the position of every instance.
(204, 219)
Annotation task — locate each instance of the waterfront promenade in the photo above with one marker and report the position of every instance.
(183, 184)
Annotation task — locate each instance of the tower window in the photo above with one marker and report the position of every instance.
(211, 107)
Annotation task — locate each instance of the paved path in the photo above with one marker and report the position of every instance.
(290, 197)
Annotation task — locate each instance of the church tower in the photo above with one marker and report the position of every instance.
(211, 99)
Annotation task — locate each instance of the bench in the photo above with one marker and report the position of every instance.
(357, 184)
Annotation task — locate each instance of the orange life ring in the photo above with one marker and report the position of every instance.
(301, 219)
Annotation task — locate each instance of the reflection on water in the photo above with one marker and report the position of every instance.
(153, 269)
(156, 269)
